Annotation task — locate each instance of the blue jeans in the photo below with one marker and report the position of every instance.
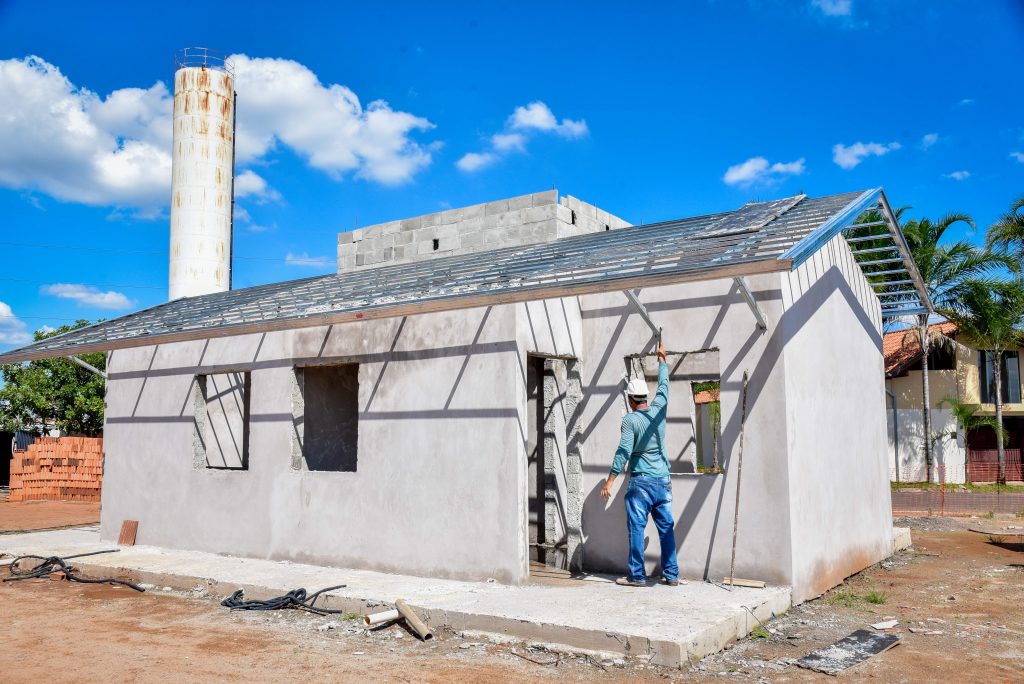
(652, 496)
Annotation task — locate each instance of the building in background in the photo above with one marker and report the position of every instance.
(960, 370)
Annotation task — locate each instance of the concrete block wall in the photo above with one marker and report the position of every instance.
(522, 220)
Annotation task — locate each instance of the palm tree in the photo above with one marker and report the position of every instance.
(1007, 233)
(967, 419)
(990, 313)
(943, 268)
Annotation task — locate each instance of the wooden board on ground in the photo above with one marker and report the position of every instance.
(740, 582)
(129, 529)
(1009, 534)
(848, 651)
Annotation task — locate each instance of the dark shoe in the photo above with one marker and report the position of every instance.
(670, 582)
(629, 582)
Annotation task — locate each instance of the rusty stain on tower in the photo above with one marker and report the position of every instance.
(202, 170)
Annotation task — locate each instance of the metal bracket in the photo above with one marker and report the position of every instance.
(741, 283)
(87, 366)
(643, 311)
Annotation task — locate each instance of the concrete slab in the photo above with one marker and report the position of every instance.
(672, 625)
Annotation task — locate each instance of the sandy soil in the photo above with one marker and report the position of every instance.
(39, 515)
(953, 582)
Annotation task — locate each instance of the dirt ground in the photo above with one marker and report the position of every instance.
(963, 592)
(23, 516)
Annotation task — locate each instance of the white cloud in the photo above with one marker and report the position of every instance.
(77, 146)
(12, 329)
(535, 118)
(958, 175)
(538, 116)
(850, 156)
(1019, 156)
(282, 101)
(928, 140)
(305, 260)
(758, 171)
(504, 142)
(474, 161)
(70, 143)
(834, 8)
(965, 102)
(88, 296)
(250, 184)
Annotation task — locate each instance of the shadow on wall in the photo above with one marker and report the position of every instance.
(711, 490)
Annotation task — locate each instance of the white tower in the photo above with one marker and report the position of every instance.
(202, 174)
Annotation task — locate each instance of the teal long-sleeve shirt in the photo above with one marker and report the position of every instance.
(642, 443)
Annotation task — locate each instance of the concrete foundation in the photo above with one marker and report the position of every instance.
(669, 625)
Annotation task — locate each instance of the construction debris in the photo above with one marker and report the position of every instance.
(129, 530)
(849, 651)
(49, 565)
(740, 582)
(296, 598)
(413, 620)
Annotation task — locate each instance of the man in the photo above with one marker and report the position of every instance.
(642, 449)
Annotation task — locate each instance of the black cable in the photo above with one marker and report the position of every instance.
(296, 598)
(54, 564)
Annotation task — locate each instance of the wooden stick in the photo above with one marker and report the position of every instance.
(739, 471)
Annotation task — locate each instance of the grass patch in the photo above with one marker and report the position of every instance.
(759, 633)
(844, 596)
(876, 597)
(350, 616)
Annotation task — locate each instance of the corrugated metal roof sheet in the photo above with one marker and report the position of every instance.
(752, 239)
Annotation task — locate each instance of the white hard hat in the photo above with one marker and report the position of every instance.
(637, 387)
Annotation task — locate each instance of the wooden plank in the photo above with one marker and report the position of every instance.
(740, 582)
(129, 529)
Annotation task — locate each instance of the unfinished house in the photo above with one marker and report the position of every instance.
(448, 403)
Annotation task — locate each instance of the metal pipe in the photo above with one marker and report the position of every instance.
(374, 619)
(87, 366)
(868, 224)
(413, 620)
(880, 261)
(643, 312)
(741, 283)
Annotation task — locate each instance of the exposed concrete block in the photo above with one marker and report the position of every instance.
(471, 224)
(389, 253)
(345, 238)
(372, 231)
(391, 227)
(563, 214)
(492, 208)
(447, 231)
(475, 211)
(451, 215)
(431, 220)
(449, 243)
(360, 259)
(521, 202)
(425, 247)
(403, 238)
(541, 213)
(547, 197)
(474, 239)
(511, 218)
(494, 235)
(425, 234)
(414, 223)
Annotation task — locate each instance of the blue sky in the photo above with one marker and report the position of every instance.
(653, 112)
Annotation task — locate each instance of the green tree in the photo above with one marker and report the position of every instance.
(945, 267)
(1007, 234)
(53, 393)
(991, 314)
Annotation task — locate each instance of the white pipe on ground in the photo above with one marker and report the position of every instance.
(375, 619)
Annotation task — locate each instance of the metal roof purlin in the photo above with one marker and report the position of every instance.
(762, 238)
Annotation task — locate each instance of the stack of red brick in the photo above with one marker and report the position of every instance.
(58, 469)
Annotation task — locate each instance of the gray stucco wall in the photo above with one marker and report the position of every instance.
(441, 485)
(835, 393)
(436, 492)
